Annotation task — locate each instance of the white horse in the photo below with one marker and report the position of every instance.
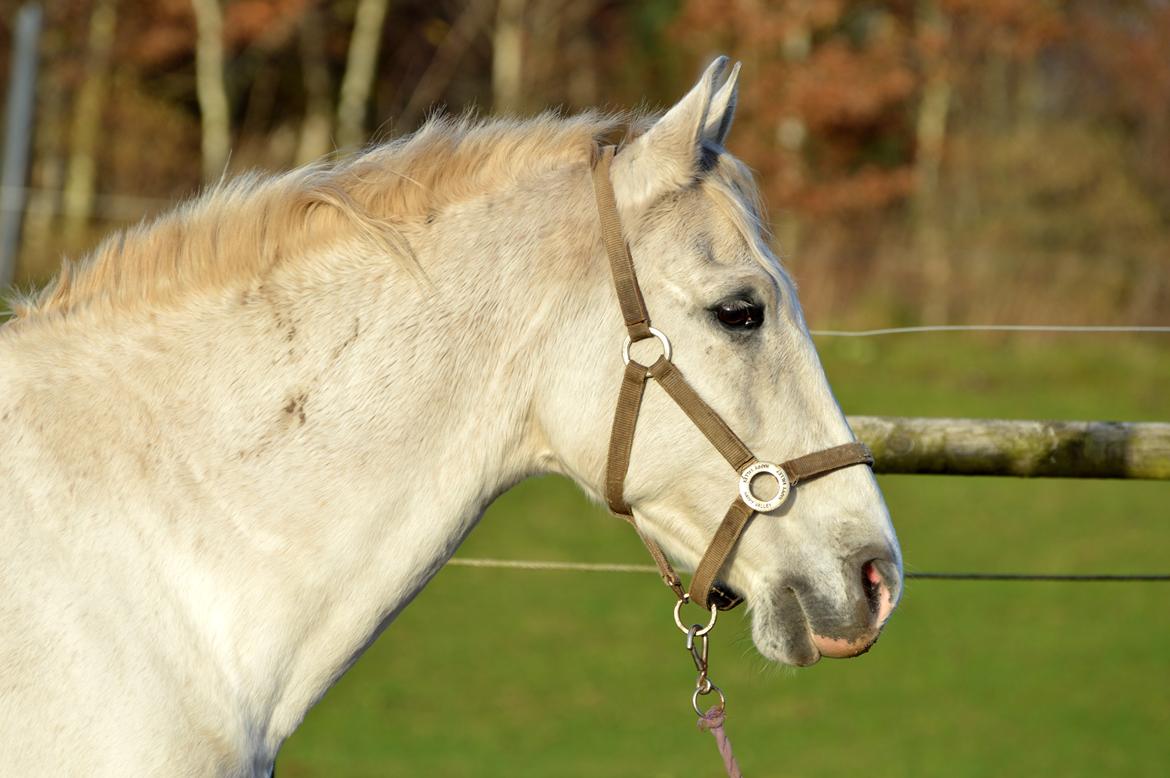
(239, 440)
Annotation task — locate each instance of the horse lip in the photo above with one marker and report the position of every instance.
(833, 647)
(781, 613)
(805, 630)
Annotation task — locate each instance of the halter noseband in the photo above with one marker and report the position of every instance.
(704, 590)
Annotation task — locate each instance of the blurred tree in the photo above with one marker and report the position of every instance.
(318, 122)
(932, 31)
(877, 127)
(507, 57)
(86, 127)
(213, 101)
(935, 159)
(469, 24)
(359, 73)
(49, 153)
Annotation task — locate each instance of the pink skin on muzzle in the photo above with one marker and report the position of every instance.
(837, 648)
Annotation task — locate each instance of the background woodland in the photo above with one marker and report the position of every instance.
(923, 160)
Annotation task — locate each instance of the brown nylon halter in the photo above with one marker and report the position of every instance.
(703, 590)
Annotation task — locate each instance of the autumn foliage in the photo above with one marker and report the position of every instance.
(944, 160)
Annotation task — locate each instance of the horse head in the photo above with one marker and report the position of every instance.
(822, 570)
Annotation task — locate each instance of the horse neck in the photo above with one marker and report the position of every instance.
(319, 443)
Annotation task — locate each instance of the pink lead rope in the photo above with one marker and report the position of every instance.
(712, 721)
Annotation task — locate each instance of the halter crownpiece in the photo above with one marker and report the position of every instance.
(704, 590)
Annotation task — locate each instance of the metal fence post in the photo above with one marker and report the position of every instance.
(17, 134)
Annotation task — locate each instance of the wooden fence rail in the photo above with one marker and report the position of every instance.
(1049, 449)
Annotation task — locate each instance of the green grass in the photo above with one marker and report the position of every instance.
(501, 673)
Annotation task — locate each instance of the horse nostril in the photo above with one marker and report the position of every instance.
(872, 585)
(879, 590)
(877, 580)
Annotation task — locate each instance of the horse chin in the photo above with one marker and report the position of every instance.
(781, 631)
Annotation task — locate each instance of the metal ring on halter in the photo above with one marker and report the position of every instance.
(699, 691)
(686, 630)
(783, 486)
(665, 341)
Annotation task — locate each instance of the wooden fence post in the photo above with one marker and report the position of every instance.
(1050, 449)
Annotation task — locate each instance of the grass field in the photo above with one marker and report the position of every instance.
(494, 673)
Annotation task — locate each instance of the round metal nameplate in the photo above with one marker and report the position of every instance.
(745, 487)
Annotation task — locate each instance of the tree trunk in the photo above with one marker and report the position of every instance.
(443, 65)
(209, 81)
(360, 66)
(791, 136)
(508, 57)
(318, 122)
(580, 54)
(41, 241)
(930, 245)
(86, 127)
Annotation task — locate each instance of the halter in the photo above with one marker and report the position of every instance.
(704, 590)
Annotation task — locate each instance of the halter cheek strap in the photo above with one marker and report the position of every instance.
(703, 590)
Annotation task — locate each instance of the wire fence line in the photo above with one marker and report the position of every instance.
(1048, 328)
(596, 567)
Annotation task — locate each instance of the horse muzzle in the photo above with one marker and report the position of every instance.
(800, 624)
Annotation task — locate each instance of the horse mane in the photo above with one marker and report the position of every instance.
(239, 230)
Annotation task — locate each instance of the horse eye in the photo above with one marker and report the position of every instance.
(739, 314)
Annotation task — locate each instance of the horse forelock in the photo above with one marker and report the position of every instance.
(730, 185)
(240, 229)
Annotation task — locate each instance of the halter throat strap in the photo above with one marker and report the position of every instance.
(704, 589)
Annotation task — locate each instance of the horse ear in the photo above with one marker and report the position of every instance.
(722, 109)
(668, 156)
